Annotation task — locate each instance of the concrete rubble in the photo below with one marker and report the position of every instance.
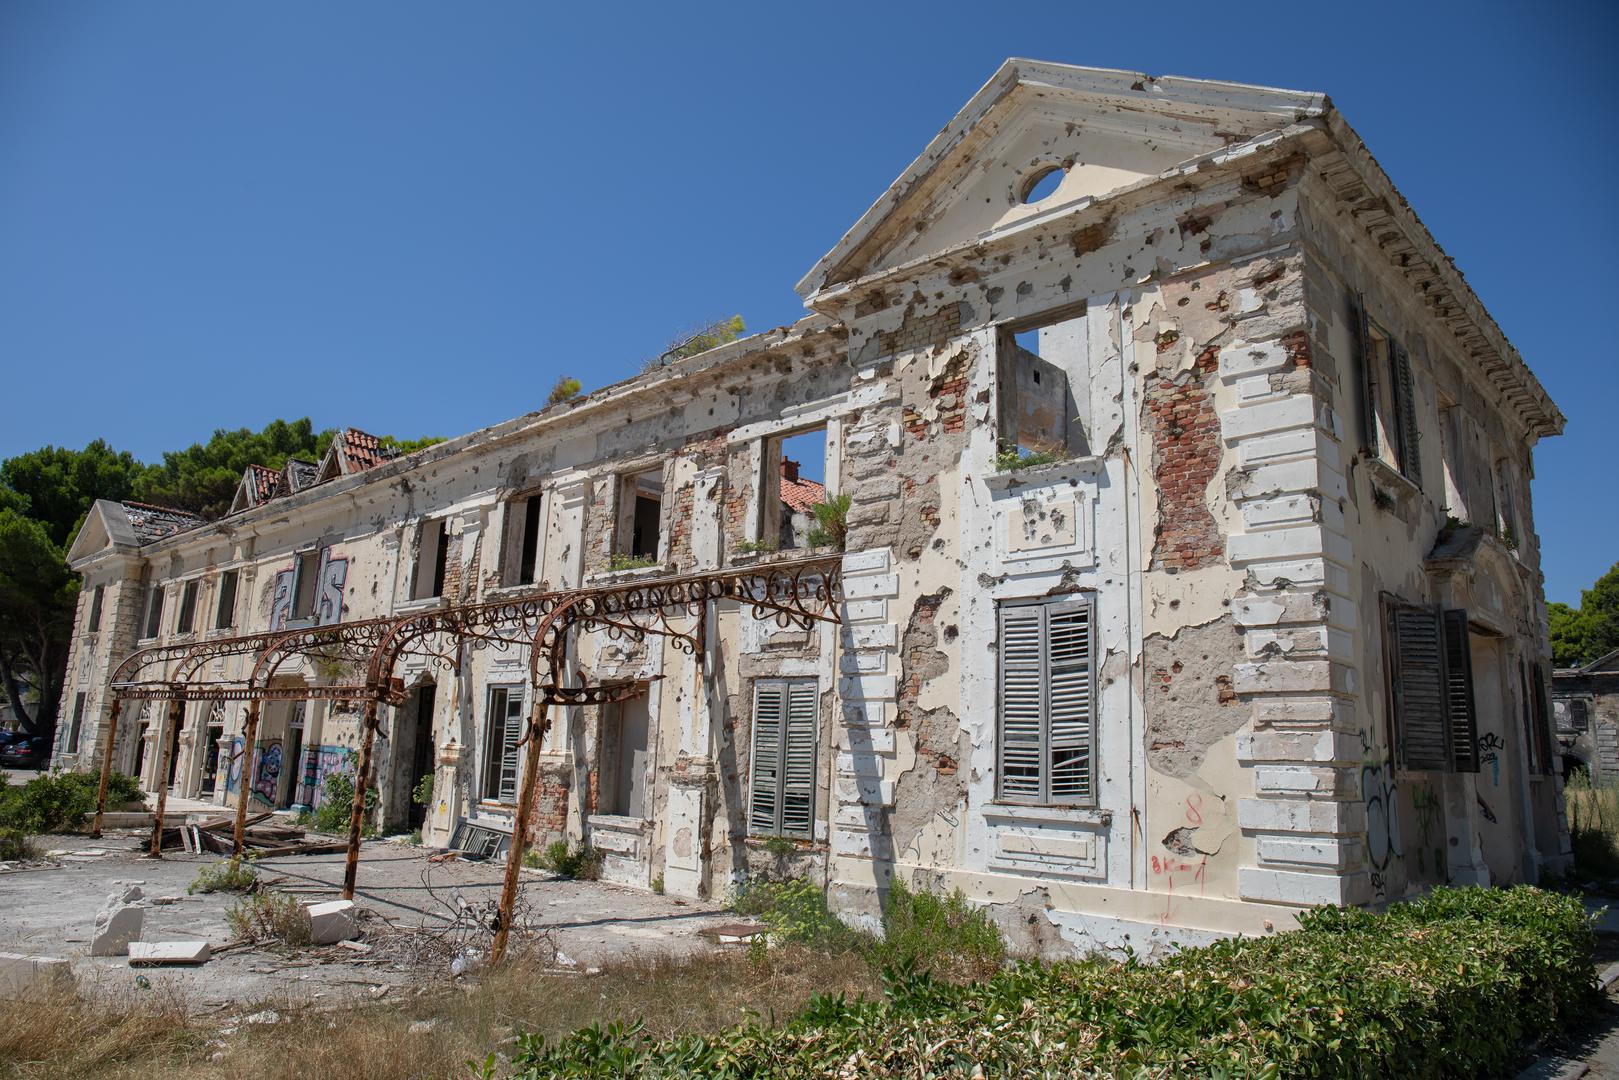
(153, 953)
(23, 976)
(119, 922)
(331, 922)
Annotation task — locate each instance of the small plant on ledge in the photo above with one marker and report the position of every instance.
(756, 547)
(831, 528)
(629, 562)
(1011, 458)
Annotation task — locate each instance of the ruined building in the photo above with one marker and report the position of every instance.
(1189, 573)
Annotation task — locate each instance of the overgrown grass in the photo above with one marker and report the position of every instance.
(138, 1036)
(1593, 827)
(226, 875)
(584, 862)
(60, 801)
(1451, 985)
(16, 846)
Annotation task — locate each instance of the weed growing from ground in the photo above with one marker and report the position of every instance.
(226, 875)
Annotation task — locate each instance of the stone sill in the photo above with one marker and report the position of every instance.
(618, 823)
(1069, 471)
(765, 558)
(1056, 815)
(611, 577)
(426, 603)
(1404, 488)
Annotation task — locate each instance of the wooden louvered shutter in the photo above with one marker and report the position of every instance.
(1020, 747)
(1540, 739)
(1417, 687)
(1362, 329)
(1069, 714)
(1405, 405)
(511, 720)
(798, 759)
(1459, 693)
(769, 715)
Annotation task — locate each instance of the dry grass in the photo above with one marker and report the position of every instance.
(145, 1036)
(1593, 827)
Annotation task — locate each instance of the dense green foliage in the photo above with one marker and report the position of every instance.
(584, 862)
(1591, 631)
(566, 389)
(58, 801)
(1451, 985)
(336, 807)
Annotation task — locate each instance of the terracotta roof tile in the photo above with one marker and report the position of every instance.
(362, 450)
(266, 483)
(153, 523)
(798, 493)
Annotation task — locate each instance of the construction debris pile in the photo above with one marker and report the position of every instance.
(217, 835)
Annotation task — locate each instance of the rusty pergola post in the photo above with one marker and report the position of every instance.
(539, 722)
(250, 739)
(170, 737)
(362, 783)
(108, 745)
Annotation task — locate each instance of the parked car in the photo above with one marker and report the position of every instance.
(26, 753)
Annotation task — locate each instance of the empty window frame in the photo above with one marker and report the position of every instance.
(791, 485)
(521, 551)
(1507, 526)
(1537, 737)
(625, 741)
(187, 619)
(225, 608)
(786, 716)
(432, 548)
(638, 531)
(75, 729)
(306, 569)
(154, 611)
(503, 729)
(1038, 366)
(1388, 398)
(1046, 735)
(96, 597)
(1432, 719)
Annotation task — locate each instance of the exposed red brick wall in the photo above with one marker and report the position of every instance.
(1180, 419)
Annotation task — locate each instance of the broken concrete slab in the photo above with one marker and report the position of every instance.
(116, 927)
(26, 976)
(148, 953)
(331, 922)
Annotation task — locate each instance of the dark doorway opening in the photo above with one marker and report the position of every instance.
(210, 762)
(422, 753)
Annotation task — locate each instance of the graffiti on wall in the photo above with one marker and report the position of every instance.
(1489, 753)
(267, 775)
(325, 761)
(331, 574)
(1377, 791)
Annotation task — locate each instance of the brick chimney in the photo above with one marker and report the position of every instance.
(789, 469)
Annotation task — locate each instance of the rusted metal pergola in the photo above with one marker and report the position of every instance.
(797, 592)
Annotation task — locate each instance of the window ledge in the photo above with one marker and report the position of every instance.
(617, 823)
(631, 575)
(765, 558)
(1383, 473)
(1060, 815)
(502, 592)
(1071, 470)
(426, 603)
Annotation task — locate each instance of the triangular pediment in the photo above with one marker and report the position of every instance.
(1093, 131)
(106, 525)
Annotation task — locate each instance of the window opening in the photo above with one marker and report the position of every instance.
(1041, 419)
(75, 729)
(225, 611)
(432, 544)
(793, 485)
(303, 587)
(95, 608)
(1432, 719)
(154, 611)
(503, 727)
(781, 799)
(1043, 184)
(188, 607)
(523, 521)
(1046, 736)
(639, 533)
(626, 728)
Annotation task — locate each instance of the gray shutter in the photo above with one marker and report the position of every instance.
(1540, 736)
(798, 759)
(1020, 748)
(510, 717)
(1405, 404)
(1459, 693)
(1362, 329)
(1417, 683)
(769, 716)
(1070, 701)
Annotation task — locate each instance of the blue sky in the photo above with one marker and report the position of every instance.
(412, 217)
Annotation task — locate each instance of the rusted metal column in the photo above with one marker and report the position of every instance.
(108, 745)
(539, 722)
(244, 785)
(171, 740)
(362, 781)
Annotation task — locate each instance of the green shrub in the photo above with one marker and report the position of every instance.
(1010, 459)
(269, 917)
(422, 793)
(226, 875)
(59, 801)
(584, 862)
(1451, 985)
(337, 806)
(831, 528)
(796, 911)
(629, 562)
(948, 935)
(15, 846)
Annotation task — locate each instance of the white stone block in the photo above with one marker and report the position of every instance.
(867, 688)
(116, 927)
(863, 663)
(143, 953)
(1264, 481)
(1317, 747)
(331, 922)
(858, 611)
(1290, 542)
(865, 740)
(1290, 573)
(870, 585)
(1282, 675)
(1269, 416)
(1276, 609)
(1300, 887)
(872, 636)
(1299, 443)
(1332, 853)
(1282, 510)
(1243, 358)
(1328, 816)
(25, 976)
(853, 788)
(1303, 780)
(865, 714)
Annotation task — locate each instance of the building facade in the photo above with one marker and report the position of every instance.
(1585, 706)
(1190, 574)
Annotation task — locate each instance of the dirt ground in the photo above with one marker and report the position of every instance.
(51, 912)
